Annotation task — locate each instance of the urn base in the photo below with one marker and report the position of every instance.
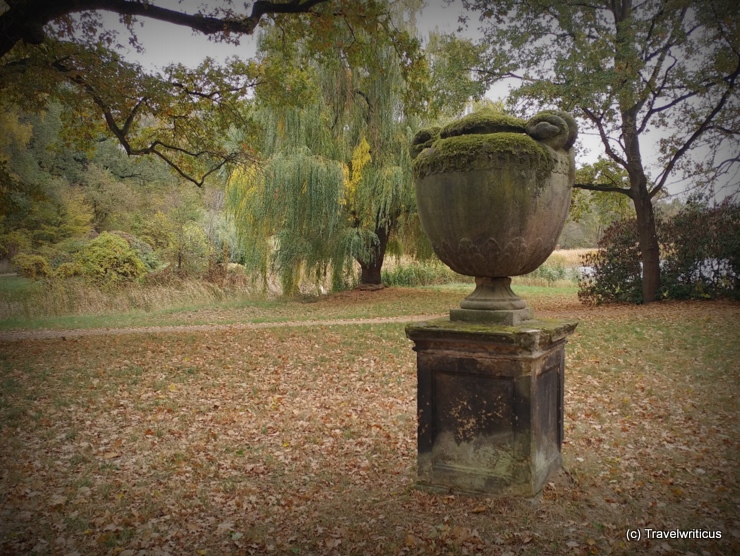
(492, 301)
(510, 317)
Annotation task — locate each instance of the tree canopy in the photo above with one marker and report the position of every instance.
(665, 70)
(336, 184)
(56, 199)
(62, 50)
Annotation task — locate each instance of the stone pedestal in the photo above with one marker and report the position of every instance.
(490, 404)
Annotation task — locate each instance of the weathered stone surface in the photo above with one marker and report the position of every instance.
(494, 294)
(498, 218)
(490, 405)
(492, 301)
(492, 193)
(509, 317)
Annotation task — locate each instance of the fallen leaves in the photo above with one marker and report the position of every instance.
(304, 441)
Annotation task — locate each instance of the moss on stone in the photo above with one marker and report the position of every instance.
(423, 139)
(425, 135)
(570, 122)
(479, 151)
(483, 121)
(550, 331)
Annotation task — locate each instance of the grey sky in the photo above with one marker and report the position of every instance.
(166, 43)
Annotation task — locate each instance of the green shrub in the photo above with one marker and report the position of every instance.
(14, 243)
(143, 250)
(552, 273)
(32, 266)
(615, 273)
(191, 249)
(68, 270)
(701, 247)
(700, 257)
(109, 260)
(63, 252)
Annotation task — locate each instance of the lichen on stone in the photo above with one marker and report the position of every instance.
(478, 151)
(483, 121)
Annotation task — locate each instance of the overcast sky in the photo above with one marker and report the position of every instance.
(166, 43)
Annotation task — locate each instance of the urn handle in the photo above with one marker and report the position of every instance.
(557, 130)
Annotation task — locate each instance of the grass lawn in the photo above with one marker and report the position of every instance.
(303, 440)
(354, 304)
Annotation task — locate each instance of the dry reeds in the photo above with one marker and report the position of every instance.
(568, 258)
(164, 291)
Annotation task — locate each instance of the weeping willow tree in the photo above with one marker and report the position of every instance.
(336, 186)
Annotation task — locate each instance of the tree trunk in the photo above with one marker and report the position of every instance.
(649, 248)
(639, 192)
(371, 268)
(371, 273)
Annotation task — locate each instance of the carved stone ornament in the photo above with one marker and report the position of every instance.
(493, 194)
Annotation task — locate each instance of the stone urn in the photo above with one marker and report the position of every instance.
(493, 193)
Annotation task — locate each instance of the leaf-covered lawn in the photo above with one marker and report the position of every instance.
(303, 441)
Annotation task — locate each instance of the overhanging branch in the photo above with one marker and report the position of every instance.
(730, 80)
(604, 188)
(26, 21)
(157, 148)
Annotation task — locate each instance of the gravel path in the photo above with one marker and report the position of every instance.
(186, 328)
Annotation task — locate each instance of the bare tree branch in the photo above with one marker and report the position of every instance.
(604, 137)
(731, 89)
(25, 21)
(604, 188)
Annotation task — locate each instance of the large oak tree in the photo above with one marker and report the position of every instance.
(636, 71)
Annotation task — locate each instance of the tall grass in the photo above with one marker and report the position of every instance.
(569, 258)
(71, 297)
(560, 270)
(427, 273)
(23, 298)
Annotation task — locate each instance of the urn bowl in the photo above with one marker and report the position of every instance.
(493, 204)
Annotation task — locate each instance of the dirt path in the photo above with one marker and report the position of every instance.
(186, 328)
(546, 309)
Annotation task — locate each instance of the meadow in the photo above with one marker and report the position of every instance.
(59, 304)
(302, 439)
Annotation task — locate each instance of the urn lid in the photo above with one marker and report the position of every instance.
(488, 136)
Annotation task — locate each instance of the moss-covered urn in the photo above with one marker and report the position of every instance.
(493, 193)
